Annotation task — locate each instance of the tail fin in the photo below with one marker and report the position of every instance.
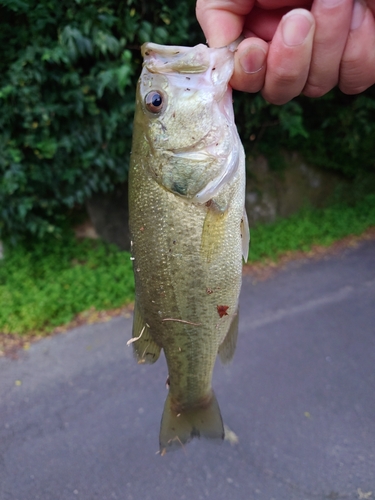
(178, 429)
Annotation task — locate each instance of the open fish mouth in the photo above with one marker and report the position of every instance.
(176, 59)
(211, 65)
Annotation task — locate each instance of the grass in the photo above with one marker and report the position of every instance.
(47, 284)
(311, 227)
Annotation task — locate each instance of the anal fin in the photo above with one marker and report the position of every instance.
(145, 349)
(228, 346)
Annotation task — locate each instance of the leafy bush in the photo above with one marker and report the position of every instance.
(335, 132)
(340, 132)
(68, 74)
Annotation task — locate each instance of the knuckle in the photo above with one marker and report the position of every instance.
(315, 91)
(353, 89)
(286, 77)
(355, 78)
(252, 83)
(282, 86)
(276, 97)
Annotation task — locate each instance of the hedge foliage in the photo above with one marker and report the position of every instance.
(68, 73)
(336, 131)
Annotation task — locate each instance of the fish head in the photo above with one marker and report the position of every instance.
(180, 89)
(184, 110)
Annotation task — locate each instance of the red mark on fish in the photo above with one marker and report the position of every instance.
(222, 310)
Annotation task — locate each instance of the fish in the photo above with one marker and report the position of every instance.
(188, 227)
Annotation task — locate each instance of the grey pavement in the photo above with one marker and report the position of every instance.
(79, 419)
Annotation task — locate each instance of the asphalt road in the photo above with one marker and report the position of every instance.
(79, 419)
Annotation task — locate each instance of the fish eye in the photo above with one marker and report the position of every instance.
(154, 101)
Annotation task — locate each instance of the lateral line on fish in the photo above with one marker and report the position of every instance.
(182, 321)
(134, 339)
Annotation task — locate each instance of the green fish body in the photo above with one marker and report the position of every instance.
(188, 228)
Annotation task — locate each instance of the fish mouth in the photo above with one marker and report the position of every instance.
(197, 149)
(198, 153)
(189, 60)
(168, 59)
(201, 149)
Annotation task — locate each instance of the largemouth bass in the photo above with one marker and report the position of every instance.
(188, 228)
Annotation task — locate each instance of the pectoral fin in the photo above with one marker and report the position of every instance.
(213, 231)
(228, 346)
(144, 347)
(245, 235)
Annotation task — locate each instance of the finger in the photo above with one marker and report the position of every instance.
(263, 23)
(222, 21)
(357, 71)
(276, 4)
(267, 14)
(250, 65)
(371, 5)
(289, 57)
(332, 19)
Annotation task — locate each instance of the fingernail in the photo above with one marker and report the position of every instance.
(253, 59)
(358, 14)
(295, 28)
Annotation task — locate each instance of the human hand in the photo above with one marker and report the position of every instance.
(295, 46)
